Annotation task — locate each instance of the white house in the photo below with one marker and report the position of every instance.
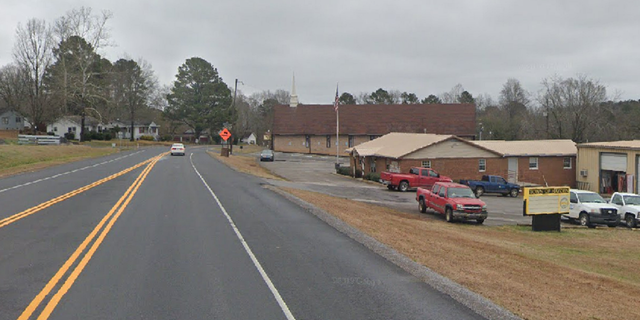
(73, 124)
(140, 129)
(250, 139)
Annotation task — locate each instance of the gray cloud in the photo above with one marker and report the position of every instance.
(406, 45)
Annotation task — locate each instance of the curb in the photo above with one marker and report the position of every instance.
(464, 296)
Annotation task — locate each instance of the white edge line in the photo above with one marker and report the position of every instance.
(64, 173)
(265, 277)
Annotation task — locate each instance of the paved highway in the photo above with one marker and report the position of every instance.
(142, 235)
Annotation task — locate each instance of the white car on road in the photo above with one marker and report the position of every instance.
(628, 207)
(177, 148)
(589, 208)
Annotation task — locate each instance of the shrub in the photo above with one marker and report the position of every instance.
(373, 176)
(69, 136)
(147, 138)
(107, 136)
(51, 133)
(344, 171)
(86, 137)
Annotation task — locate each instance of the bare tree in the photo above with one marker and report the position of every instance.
(514, 101)
(82, 23)
(32, 53)
(78, 23)
(453, 95)
(14, 85)
(78, 76)
(573, 107)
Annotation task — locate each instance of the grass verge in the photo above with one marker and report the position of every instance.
(574, 274)
(16, 159)
(246, 164)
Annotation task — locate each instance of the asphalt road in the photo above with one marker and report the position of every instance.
(317, 173)
(187, 238)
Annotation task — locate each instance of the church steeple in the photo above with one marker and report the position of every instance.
(293, 101)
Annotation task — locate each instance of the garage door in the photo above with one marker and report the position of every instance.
(613, 161)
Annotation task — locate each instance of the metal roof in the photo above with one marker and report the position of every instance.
(396, 144)
(525, 148)
(627, 144)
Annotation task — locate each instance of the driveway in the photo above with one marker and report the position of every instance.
(317, 173)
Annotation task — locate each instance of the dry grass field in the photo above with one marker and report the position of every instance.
(574, 274)
(22, 158)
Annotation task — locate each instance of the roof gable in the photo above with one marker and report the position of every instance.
(396, 144)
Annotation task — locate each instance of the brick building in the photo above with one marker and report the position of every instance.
(312, 128)
(538, 162)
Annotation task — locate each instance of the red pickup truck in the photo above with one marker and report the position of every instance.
(417, 177)
(454, 200)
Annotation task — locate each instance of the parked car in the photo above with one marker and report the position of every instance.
(628, 205)
(454, 200)
(266, 155)
(492, 184)
(590, 209)
(177, 148)
(417, 177)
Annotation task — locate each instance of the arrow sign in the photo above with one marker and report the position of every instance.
(225, 134)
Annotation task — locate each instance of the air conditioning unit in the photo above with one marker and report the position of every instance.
(583, 173)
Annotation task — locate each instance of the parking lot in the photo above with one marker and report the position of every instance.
(317, 173)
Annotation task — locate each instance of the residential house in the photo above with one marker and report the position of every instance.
(140, 128)
(189, 136)
(73, 124)
(536, 162)
(11, 120)
(249, 139)
(312, 128)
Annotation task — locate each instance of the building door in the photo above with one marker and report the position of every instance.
(613, 170)
(512, 174)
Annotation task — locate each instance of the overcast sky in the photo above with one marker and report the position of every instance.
(424, 47)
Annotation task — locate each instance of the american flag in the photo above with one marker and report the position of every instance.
(336, 103)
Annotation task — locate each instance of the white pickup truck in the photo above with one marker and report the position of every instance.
(628, 205)
(590, 209)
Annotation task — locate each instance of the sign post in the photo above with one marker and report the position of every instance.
(546, 205)
(225, 135)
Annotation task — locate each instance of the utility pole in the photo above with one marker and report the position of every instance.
(233, 107)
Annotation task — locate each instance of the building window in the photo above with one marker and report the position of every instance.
(55, 129)
(328, 141)
(482, 165)
(372, 137)
(567, 163)
(533, 163)
(426, 163)
(351, 141)
(18, 119)
(5, 120)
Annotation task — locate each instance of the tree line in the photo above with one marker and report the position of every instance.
(57, 70)
(577, 108)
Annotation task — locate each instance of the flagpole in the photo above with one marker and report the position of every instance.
(337, 136)
(336, 104)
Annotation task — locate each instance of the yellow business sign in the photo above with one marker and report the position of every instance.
(546, 200)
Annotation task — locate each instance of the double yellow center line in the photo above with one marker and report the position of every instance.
(7, 221)
(108, 220)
